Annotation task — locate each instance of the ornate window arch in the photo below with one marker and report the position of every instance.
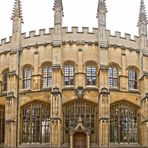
(123, 123)
(91, 72)
(132, 78)
(2, 123)
(76, 109)
(27, 72)
(69, 74)
(113, 76)
(5, 79)
(46, 75)
(35, 123)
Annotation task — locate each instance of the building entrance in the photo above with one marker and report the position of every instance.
(79, 140)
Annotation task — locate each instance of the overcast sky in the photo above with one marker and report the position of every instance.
(38, 14)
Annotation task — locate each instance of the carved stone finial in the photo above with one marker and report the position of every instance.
(101, 8)
(58, 6)
(142, 15)
(17, 10)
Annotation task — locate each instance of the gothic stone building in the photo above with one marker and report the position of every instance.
(74, 89)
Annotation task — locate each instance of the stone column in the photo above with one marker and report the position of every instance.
(88, 140)
(71, 140)
(104, 117)
(56, 118)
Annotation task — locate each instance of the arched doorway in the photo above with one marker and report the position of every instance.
(123, 123)
(79, 140)
(35, 123)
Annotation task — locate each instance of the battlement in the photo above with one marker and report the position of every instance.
(72, 34)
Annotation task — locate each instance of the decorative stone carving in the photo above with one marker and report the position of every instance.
(80, 92)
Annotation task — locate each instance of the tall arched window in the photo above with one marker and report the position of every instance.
(47, 76)
(113, 77)
(81, 109)
(36, 123)
(123, 123)
(27, 77)
(91, 74)
(5, 80)
(2, 124)
(69, 74)
(132, 76)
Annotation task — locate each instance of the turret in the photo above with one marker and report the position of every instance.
(58, 15)
(101, 15)
(142, 25)
(17, 23)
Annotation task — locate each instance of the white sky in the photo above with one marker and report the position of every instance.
(38, 14)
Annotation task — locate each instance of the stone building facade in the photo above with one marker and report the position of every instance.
(74, 89)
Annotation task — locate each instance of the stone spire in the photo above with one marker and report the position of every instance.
(17, 24)
(58, 15)
(101, 12)
(17, 11)
(142, 22)
(58, 12)
(101, 15)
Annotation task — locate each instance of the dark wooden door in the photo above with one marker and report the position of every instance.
(79, 140)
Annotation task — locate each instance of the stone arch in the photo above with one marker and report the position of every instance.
(123, 122)
(35, 119)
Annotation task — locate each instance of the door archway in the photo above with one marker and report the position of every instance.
(79, 140)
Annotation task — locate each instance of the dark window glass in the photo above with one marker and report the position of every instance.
(123, 124)
(36, 123)
(132, 79)
(27, 78)
(91, 75)
(69, 74)
(47, 76)
(113, 77)
(5, 81)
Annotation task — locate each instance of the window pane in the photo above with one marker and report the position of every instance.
(66, 70)
(130, 75)
(110, 72)
(44, 71)
(93, 71)
(115, 72)
(88, 70)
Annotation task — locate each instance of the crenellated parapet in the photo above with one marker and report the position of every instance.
(74, 35)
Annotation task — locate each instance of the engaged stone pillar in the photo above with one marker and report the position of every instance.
(88, 140)
(71, 140)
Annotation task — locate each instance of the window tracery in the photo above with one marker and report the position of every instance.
(91, 74)
(113, 76)
(123, 123)
(69, 74)
(36, 123)
(132, 79)
(27, 78)
(81, 109)
(47, 76)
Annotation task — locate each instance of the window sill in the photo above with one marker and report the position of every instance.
(46, 88)
(91, 87)
(23, 91)
(134, 91)
(114, 89)
(69, 87)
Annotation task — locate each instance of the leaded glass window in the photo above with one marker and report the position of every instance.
(36, 123)
(91, 74)
(123, 123)
(47, 76)
(132, 79)
(27, 78)
(2, 124)
(69, 74)
(81, 109)
(113, 77)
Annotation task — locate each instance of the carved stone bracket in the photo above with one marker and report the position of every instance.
(80, 92)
